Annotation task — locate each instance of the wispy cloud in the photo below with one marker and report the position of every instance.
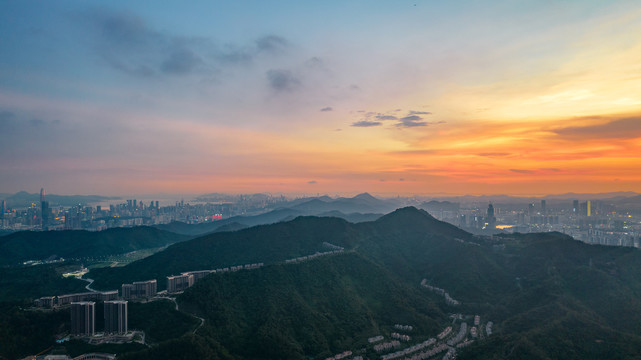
(366, 123)
(411, 121)
(282, 80)
(626, 128)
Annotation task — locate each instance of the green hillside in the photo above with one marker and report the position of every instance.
(549, 296)
(266, 243)
(316, 308)
(34, 245)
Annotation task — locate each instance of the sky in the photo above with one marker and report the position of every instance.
(330, 97)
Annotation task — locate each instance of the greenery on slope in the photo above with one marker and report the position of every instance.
(549, 296)
(265, 243)
(32, 282)
(320, 307)
(33, 245)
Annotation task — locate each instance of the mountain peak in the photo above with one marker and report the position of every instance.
(364, 196)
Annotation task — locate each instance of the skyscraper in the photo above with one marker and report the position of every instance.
(3, 208)
(44, 210)
(543, 208)
(575, 207)
(116, 317)
(83, 318)
(491, 220)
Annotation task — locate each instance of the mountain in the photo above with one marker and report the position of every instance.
(271, 217)
(548, 295)
(320, 307)
(361, 203)
(39, 245)
(264, 243)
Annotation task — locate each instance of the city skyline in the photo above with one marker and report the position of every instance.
(528, 98)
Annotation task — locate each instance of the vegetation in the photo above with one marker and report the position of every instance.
(33, 245)
(160, 320)
(549, 296)
(31, 282)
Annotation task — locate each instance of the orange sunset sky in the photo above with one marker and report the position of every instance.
(416, 97)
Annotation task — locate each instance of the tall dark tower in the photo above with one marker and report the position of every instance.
(83, 318)
(543, 208)
(3, 208)
(491, 220)
(116, 317)
(44, 208)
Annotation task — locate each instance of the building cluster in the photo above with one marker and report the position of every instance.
(593, 222)
(444, 333)
(403, 327)
(342, 355)
(464, 344)
(83, 317)
(413, 349)
(428, 353)
(448, 299)
(132, 212)
(488, 328)
(375, 339)
(178, 283)
(139, 290)
(450, 354)
(387, 346)
(313, 256)
(462, 333)
(61, 300)
(401, 337)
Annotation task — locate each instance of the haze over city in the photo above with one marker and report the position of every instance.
(457, 97)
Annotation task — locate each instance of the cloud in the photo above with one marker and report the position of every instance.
(415, 152)
(181, 62)
(128, 44)
(411, 121)
(627, 128)
(386, 117)
(494, 154)
(412, 112)
(328, 108)
(366, 123)
(312, 182)
(282, 80)
(521, 171)
(272, 44)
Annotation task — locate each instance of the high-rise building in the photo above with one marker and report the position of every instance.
(83, 318)
(575, 207)
(44, 210)
(491, 220)
(127, 291)
(179, 282)
(589, 208)
(543, 208)
(3, 208)
(116, 317)
(144, 289)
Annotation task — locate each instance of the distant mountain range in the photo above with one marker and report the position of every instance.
(41, 245)
(548, 295)
(362, 207)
